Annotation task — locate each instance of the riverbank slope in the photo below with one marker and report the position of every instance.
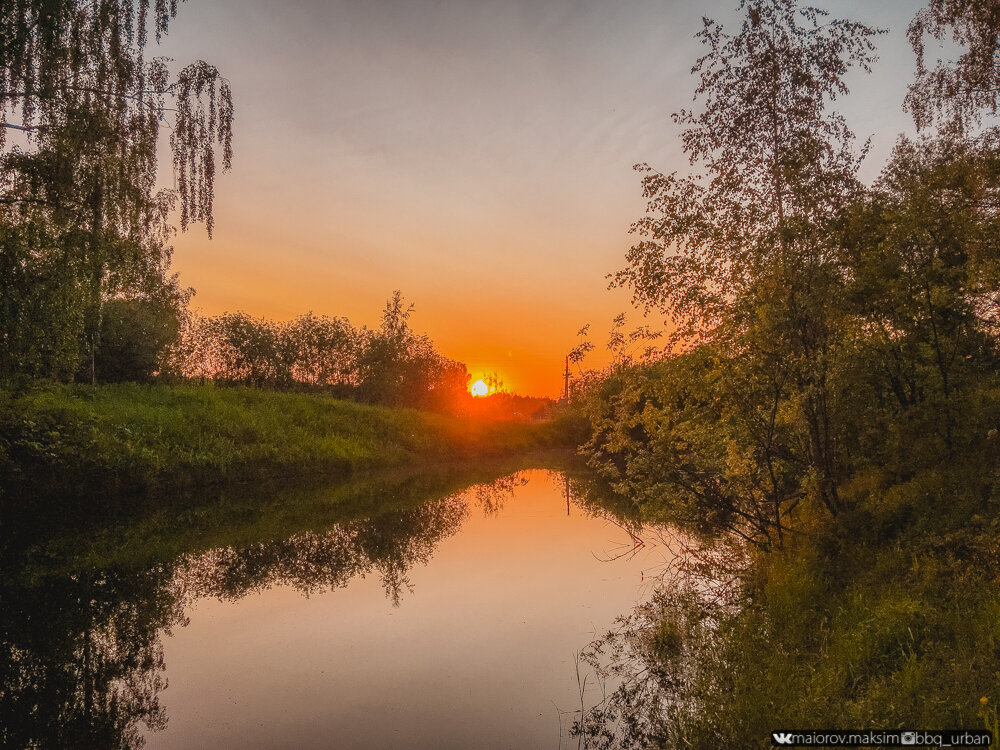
(129, 438)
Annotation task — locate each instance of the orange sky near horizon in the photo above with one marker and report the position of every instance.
(476, 156)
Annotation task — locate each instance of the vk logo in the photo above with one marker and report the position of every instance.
(782, 738)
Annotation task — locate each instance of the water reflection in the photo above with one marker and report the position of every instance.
(81, 659)
(313, 562)
(82, 652)
(492, 497)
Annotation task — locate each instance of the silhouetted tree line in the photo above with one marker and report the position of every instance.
(389, 365)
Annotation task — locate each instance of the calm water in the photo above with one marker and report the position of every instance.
(450, 622)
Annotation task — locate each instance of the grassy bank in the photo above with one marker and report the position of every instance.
(887, 616)
(143, 438)
(882, 611)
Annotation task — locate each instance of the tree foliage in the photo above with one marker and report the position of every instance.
(137, 330)
(813, 315)
(81, 111)
(743, 257)
(774, 162)
(965, 89)
(400, 368)
(74, 75)
(390, 365)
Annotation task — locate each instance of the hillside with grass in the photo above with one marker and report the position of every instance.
(144, 438)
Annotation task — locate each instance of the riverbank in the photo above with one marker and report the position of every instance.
(124, 439)
(886, 616)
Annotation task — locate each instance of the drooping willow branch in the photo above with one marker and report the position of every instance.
(73, 73)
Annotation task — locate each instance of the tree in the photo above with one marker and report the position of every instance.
(400, 368)
(321, 350)
(87, 107)
(920, 252)
(744, 258)
(137, 331)
(960, 91)
(249, 350)
(776, 161)
(41, 304)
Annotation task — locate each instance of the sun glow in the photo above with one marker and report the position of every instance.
(479, 388)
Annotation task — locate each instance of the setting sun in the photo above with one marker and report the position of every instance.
(479, 388)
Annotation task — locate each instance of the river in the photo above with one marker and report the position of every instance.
(448, 621)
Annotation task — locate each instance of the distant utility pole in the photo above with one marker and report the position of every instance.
(566, 377)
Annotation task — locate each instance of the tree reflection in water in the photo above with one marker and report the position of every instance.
(491, 497)
(81, 656)
(81, 659)
(650, 663)
(313, 562)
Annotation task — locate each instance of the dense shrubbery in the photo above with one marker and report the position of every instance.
(888, 616)
(237, 348)
(148, 334)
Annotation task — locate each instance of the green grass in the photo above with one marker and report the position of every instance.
(888, 617)
(132, 437)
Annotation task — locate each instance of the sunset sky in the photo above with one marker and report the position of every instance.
(476, 155)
